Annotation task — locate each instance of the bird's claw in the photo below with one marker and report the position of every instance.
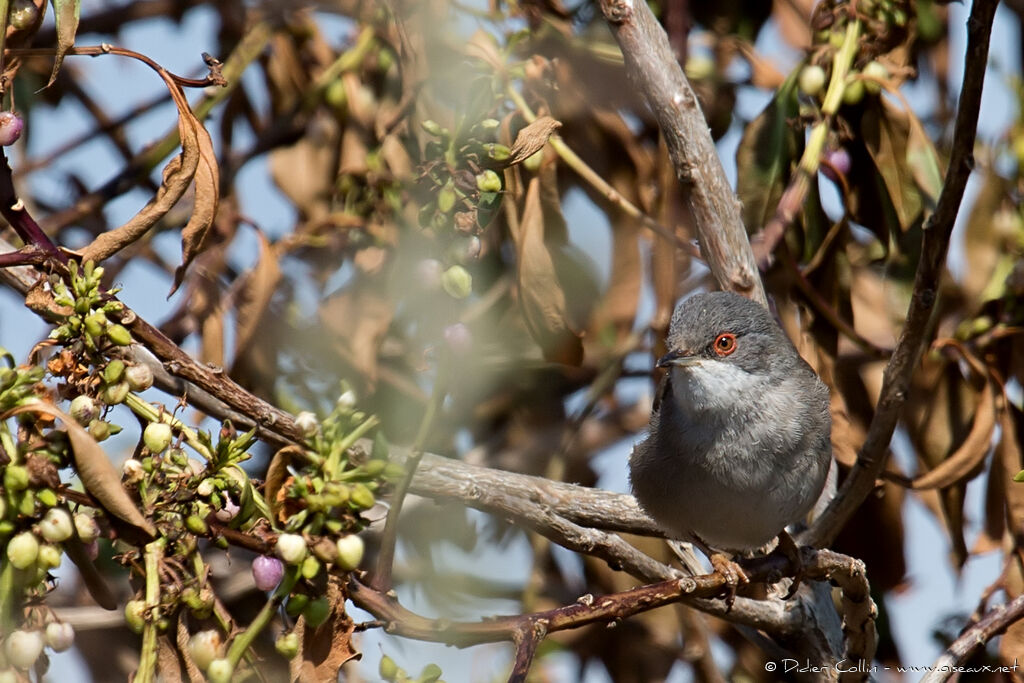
(788, 547)
(732, 573)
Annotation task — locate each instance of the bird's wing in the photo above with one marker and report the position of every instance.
(664, 393)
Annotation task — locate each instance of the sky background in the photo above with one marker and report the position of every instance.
(933, 592)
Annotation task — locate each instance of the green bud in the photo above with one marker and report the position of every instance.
(287, 644)
(135, 615)
(532, 162)
(15, 478)
(874, 72)
(47, 497)
(446, 198)
(196, 525)
(296, 604)
(317, 612)
(99, 430)
(114, 371)
(291, 548)
(119, 335)
(433, 127)
(310, 567)
(388, 670)
(488, 181)
(812, 80)
(457, 282)
(854, 91)
(95, 323)
(497, 151)
(362, 497)
(85, 525)
(431, 672)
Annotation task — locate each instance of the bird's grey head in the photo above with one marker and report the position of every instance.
(724, 327)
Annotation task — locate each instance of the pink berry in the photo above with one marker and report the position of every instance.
(837, 161)
(10, 128)
(267, 572)
(458, 338)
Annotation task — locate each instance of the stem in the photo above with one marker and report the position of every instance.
(600, 184)
(244, 639)
(386, 557)
(147, 662)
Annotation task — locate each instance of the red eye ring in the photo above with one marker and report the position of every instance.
(725, 343)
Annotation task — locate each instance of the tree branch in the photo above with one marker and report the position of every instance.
(988, 627)
(934, 244)
(716, 211)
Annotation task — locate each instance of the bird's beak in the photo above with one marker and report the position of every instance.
(677, 357)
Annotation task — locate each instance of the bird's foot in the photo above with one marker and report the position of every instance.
(732, 573)
(789, 548)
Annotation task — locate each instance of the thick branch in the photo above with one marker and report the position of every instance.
(935, 242)
(716, 211)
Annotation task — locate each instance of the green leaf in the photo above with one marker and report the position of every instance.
(66, 15)
(766, 153)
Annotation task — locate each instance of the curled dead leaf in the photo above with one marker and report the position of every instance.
(531, 140)
(541, 297)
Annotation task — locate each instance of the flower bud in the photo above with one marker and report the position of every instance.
(139, 377)
(59, 636)
(812, 79)
(84, 409)
(291, 548)
(317, 611)
(347, 401)
(204, 647)
(113, 394)
(99, 430)
(57, 525)
(157, 436)
(23, 648)
(350, 552)
(49, 557)
(135, 615)
(287, 644)
(220, 671)
(15, 478)
(488, 181)
(22, 550)
(307, 423)
(86, 527)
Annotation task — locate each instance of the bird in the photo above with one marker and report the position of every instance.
(739, 442)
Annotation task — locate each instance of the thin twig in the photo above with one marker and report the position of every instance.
(872, 457)
(213, 78)
(995, 621)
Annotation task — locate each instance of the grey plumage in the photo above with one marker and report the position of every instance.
(739, 441)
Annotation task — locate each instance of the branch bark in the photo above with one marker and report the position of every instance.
(988, 627)
(716, 212)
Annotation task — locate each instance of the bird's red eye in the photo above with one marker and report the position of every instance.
(725, 343)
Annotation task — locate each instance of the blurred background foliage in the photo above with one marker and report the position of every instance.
(440, 247)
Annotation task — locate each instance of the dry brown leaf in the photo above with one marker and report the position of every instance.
(177, 176)
(531, 140)
(971, 453)
(541, 297)
(305, 172)
(254, 295)
(204, 210)
(277, 474)
(327, 648)
(360, 315)
(1011, 461)
(98, 475)
(207, 309)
